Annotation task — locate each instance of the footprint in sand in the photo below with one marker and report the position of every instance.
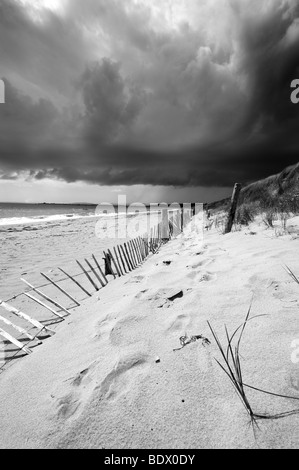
(283, 291)
(216, 251)
(67, 406)
(208, 277)
(164, 297)
(85, 386)
(82, 386)
(117, 382)
(127, 331)
(141, 294)
(79, 377)
(179, 324)
(202, 277)
(135, 280)
(200, 264)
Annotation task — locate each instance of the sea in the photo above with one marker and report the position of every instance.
(19, 213)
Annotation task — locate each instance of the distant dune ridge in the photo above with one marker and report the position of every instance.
(282, 188)
(273, 188)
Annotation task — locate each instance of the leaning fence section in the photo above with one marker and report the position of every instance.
(94, 274)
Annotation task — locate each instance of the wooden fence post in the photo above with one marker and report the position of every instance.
(232, 211)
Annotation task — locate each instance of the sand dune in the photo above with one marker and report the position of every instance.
(110, 377)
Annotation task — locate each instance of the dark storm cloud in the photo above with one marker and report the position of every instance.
(203, 104)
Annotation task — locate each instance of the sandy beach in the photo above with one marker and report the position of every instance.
(115, 374)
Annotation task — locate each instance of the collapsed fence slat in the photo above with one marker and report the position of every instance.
(114, 262)
(16, 327)
(94, 272)
(14, 341)
(61, 289)
(88, 276)
(46, 297)
(24, 316)
(100, 269)
(75, 281)
(122, 261)
(118, 261)
(44, 305)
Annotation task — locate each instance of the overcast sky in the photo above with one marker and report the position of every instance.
(156, 99)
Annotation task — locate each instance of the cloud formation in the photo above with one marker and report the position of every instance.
(138, 92)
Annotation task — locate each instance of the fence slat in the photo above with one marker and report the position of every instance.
(100, 269)
(118, 261)
(88, 276)
(44, 305)
(114, 262)
(46, 297)
(94, 272)
(122, 261)
(16, 327)
(143, 248)
(24, 316)
(130, 262)
(137, 241)
(125, 257)
(140, 248)
(108, 266)
(61, 289)
(130, 244)
(131, 248)
(75, 281)
(14, 341)
(137, 251)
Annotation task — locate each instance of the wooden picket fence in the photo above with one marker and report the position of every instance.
(119, 261)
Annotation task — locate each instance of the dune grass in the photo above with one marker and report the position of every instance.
(233, 369)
